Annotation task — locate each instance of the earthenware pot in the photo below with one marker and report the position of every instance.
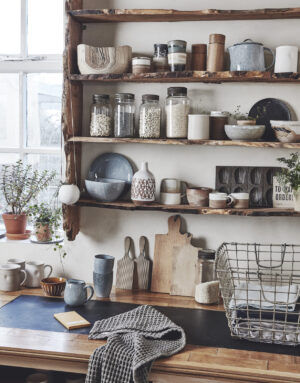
(15, 223)
(198, 196)
(143, 186)
(43, 232)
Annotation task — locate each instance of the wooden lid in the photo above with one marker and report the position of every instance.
(216, 38)
(199, 48)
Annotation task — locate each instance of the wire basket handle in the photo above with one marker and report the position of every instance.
(283, 251)
(278, 302)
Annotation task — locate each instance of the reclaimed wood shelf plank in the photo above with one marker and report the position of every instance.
(188, 209)
(163, 15)
(181, 141)
(190, 76)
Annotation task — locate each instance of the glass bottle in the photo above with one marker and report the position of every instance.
(124, 114)
(101, 116)
(150, 115)
(206, 262)
(177, 110)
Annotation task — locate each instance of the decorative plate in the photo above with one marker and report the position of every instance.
(114, 166)
(34, 239)
(270, 109)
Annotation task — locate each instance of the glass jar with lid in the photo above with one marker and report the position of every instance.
(150, 114)
(124, 114)
(160, 58)
(177, 110)
(206, 261)
(101, 116)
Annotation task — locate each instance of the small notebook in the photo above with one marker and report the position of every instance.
(72, 320)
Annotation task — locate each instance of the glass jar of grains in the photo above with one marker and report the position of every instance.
(150, 113)
(177, 110)
(101, 116)
(124, 115)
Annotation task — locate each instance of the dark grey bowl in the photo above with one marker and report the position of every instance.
(103, 284)
(105, 189)
(103, 264)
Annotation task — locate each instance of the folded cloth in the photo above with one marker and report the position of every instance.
(135, 339)
(253, 295)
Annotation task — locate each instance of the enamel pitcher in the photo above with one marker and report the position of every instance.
(248, 56)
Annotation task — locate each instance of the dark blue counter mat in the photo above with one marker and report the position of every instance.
(202, 327)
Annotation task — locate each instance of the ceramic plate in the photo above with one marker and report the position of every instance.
(270, 109)
(34, 239)
(112, 165)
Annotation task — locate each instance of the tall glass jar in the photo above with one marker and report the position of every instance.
(177, 55)
(124, 115)
(160, 58)
(206, 261)
(177, 110)
(101, 116)
(150, 113)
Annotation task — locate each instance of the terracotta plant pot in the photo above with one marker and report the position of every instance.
(43, 232)
(15, 223)
(246, 122)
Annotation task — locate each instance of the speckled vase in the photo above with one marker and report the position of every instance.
(143, 186)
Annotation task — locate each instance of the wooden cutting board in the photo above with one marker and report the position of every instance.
(125, 268)
(162, 261)
(184, 270)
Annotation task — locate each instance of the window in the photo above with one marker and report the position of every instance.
(31, 82)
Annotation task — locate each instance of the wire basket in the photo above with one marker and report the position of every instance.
(260, 288)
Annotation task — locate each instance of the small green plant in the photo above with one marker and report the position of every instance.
(20, 184)
(238, 115)
(290, 175)
(43, 214)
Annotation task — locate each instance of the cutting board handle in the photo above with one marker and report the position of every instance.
(174, 223)
(143, 246)
(127, 244)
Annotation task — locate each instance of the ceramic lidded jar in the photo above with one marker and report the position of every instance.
(143, 186)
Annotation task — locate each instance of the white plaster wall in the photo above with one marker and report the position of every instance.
(103, 231)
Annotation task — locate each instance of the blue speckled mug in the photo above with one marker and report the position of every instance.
(76, 292)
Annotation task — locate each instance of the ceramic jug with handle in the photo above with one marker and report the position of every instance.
(76, 292)
(10, 277)
(249, 56)
(36, 272)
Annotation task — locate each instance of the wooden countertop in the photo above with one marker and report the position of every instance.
(70, 352)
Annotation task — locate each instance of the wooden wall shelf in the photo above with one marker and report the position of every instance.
(168, 141)
(148, 15)
(187, 209)
(190, 76)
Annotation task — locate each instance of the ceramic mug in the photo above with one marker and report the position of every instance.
(170, 198)
(170, 185)
(76, 292)
(20, 262)
(220, 200)
(240, 200)
(10, 277)
(36, 272)
(198, 127)
(103, 264)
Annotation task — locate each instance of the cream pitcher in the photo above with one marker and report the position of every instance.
(36, 272)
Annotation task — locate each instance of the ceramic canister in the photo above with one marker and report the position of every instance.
(76, 292)
(198, 127)
(10, 277)
(240, 200)
(170, 185)
(143, 186)
(286, 59)
(36, 272)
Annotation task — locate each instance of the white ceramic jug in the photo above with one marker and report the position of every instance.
(10, 277)
(36, 272)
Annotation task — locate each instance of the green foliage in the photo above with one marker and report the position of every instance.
(238, 115)
(290, 175)
(20, 184)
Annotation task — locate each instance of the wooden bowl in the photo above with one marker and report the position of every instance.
(53, 286)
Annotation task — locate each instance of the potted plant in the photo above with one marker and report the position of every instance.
(242, 118)
(290, 176)
(19, 184)
(46, 221)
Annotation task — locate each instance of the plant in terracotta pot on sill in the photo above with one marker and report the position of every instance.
(290, 176)
(19, 184)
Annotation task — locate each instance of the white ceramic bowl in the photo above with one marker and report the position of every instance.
(286, 131)
(245, 132)
(105, 189)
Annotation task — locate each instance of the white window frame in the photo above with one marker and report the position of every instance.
(24, 64)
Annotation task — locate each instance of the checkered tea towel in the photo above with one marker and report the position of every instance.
(135, 339)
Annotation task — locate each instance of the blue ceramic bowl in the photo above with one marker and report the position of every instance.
(105, 189)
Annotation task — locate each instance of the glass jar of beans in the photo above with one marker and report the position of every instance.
(101, 116)
(150, 114)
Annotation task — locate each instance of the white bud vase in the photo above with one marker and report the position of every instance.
(69, 194)
(143, 186)
(296, 193)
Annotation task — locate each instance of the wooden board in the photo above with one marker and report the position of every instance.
(184, 270)
(125, 268)
(162, 262)
(142, 267)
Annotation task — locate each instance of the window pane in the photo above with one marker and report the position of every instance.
(9, 110)
(45, 26)
(6, 159)
(44, 93)
(10, 27)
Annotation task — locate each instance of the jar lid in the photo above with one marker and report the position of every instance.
(124, 96)
(199, 48)
(206, 254)
(247, 42)
(217, 113)
(216, 38)
(177, 91)
(141, 61)
(181, 43)
(150, 97)
(100, 97)
(161, 48)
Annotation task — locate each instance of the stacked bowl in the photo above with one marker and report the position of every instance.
(103, 275)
